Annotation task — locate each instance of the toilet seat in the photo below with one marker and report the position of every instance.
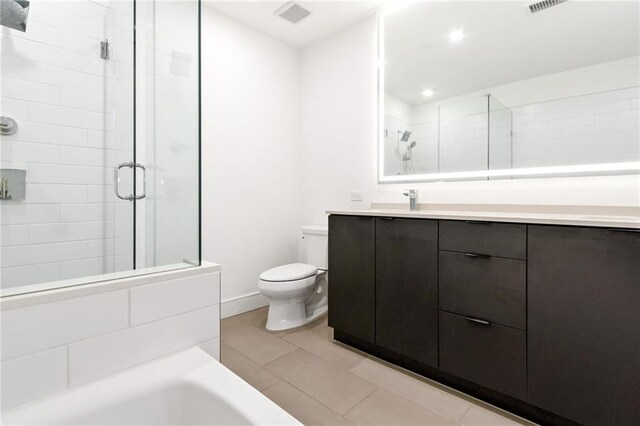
(290, 272)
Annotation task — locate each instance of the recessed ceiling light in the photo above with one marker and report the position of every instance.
(427, 92)
(456, 36)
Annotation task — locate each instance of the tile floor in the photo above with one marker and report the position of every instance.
(321, 382)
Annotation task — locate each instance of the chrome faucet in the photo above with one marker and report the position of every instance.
(413, 198)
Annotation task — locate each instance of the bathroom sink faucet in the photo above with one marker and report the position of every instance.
(413, 198)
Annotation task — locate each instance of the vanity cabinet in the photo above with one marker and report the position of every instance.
(482, 300)
(352, 243)
(584, 323)
(407, 287)
(543, 320)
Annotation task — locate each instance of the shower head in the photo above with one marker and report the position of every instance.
(14, 14)
(405, 136)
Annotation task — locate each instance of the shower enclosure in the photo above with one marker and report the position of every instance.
(469, 134)
(99, 140)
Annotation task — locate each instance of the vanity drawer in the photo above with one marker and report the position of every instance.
(495, 239)
(490, 288)
(490, 355)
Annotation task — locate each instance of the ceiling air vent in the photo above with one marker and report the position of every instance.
(293, 12)
(544, 4)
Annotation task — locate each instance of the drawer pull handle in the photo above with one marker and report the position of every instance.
(477, 321)
(476, 255)
(387, 218)
(478, 222)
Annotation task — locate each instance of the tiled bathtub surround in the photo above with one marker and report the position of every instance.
(51, 346)
(75, 121)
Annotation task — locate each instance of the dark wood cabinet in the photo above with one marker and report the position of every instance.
(584, 323)
(352, 275)
(489, 288)
(487, 238)
(407, 287)
(485, 353)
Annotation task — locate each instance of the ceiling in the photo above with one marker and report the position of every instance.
(503, 43)
(328, 17)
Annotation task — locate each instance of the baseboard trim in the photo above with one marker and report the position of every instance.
(241, 304)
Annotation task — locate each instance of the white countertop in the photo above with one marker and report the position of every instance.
(617, 221)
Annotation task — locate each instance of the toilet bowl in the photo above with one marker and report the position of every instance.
(297, 292)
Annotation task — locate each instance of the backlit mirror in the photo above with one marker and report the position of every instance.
(499, 90)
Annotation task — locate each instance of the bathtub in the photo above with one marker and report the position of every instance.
(188, 388)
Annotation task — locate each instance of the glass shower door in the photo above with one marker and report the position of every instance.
(168, 218)
(67, 84)
(107, 133)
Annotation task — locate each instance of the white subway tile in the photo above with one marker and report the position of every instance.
(43, 253)
(70, 174)
(86, 212)
(30, 152)
(85, 100)
(40, 327)
(604, 107)
(100, 230)
(571, 122)
(55, 232)
(14, 235)
(55, 193)
(62, 116)
(100, 193)
(100, 248)
(16, 214)
(33, 376)
(45, 133)
(155, 301)
(85, 267)
(30, 274)
(13, 108)
(104, 355)
(86, 156)
(42, 32)
(29, 90)
(42, 73)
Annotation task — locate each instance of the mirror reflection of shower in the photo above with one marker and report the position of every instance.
(405, 151)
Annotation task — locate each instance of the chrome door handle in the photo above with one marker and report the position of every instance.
(116, 183)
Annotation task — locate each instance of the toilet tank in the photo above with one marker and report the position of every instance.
(316, 245)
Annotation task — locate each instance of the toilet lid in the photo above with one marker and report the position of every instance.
(290, 272)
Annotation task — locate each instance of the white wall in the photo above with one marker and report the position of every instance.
(339, 84)
(338, 122)
(75, 122)
(250, 155)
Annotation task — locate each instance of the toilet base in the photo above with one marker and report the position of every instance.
(285, 315)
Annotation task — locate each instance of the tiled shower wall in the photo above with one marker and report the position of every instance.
(74, 112)
(596, 128)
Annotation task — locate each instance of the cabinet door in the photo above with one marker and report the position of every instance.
(407, 287)
(352, 275)
(584, 323)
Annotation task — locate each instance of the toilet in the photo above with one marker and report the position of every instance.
(297, 292)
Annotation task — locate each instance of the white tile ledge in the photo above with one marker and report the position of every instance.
(605, 221)
(70, 292)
